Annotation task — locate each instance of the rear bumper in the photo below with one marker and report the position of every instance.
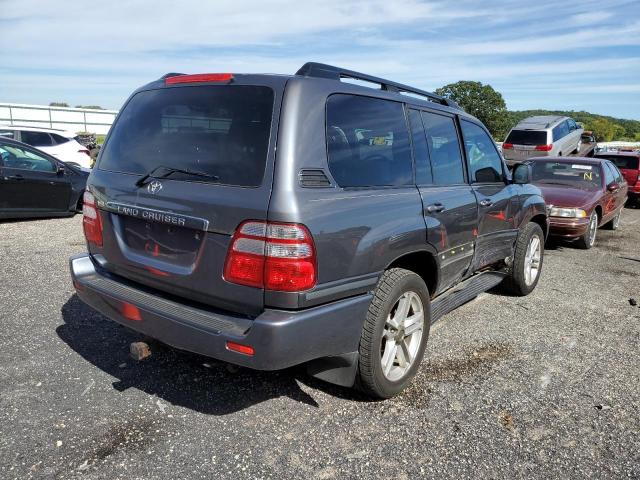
(280, 338)
(568, 227)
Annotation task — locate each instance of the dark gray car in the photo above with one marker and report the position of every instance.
(271, 220)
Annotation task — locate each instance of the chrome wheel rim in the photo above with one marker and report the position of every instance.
(402, 336)
(593, 228)
(532, 260)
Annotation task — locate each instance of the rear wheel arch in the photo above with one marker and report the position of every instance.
(421, 262)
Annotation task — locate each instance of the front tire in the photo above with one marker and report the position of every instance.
(527, 261)
(588, 240)
(394, 335)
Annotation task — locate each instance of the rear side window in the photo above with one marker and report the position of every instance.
(36, 139)
(560, 131)
(222, 131)
(367, 142)
(420, 149)
(59, 139)
(527, 137)
(444, 147)
(625, 162)
(485, 165)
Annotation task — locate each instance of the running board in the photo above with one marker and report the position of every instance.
(462, 293)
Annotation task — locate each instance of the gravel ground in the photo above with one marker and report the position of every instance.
(539, 387)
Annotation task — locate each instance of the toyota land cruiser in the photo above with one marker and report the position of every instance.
(270, 220)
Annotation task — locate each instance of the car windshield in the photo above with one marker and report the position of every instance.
(527, 137)
(626, 162)
(577, 175)
(219, 131)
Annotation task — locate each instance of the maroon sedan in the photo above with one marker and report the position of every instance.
(582, 194)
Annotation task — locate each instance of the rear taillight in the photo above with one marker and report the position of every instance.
(507, 146)
(274, 256)
(544, 148)
(199, 77)
(91, 220)
(85, 151)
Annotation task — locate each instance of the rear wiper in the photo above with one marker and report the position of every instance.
(170, 171)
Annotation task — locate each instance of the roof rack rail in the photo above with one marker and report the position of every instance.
(321, 70)
(171, 74)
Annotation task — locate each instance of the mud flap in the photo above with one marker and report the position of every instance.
(339, 369)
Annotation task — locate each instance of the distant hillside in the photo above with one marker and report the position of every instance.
(605, 128)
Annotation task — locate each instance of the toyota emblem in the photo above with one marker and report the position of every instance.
(154, 187)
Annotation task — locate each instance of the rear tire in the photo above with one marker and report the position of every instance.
(394, 335)
(614, 224)
(588, 240)
(527, 261)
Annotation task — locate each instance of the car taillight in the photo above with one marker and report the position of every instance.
(85, 151)
(91, 220)
(274, 256)
(507, 146)
(544, 148)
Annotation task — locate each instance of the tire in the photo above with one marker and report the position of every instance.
(381, 373)
(577, 150)
(614, 224)
(588, 240)
(527, 263)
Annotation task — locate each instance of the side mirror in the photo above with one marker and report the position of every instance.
(522, 174)
(60, 170)
(613, 187)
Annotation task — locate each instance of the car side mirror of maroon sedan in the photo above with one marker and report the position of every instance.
(613, 187)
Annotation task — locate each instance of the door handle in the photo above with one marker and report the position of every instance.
(486, 202)
(16, 177)
(435, 208)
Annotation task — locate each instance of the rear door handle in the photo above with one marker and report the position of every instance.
(486, 202)
(435, 208)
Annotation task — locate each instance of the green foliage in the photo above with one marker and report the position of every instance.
(58, 104)
(92, 107)
(604, 128)
(481, 101)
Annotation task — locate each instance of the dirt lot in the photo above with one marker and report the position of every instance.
(545, 386)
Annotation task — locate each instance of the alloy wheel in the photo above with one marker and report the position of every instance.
(532, 260)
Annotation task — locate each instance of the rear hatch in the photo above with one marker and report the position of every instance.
(182, 167)
(628, 166)
(521, 144)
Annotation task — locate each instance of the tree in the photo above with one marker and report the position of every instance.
(90, 107)
(58, 104)
(481, 101)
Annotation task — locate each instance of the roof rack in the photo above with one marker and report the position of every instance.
(321, 70)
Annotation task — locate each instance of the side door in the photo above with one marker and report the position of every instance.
(449, 204)
(31, 182)
(621, 193)
(610, 201)
(497, 198)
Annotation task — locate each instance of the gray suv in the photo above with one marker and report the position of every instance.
(542, 136)
(271, 220)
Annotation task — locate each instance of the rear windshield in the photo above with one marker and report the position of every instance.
(577, 175)
(222, 131)
(527, 137)
(622, 161)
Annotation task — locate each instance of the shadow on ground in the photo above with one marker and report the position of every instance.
(177, 377)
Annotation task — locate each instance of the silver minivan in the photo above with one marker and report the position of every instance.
(542, 136)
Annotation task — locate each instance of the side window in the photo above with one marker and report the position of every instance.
(608, 174)
(22, 159)
(37, 139)
(420, 149)
(616, 173)
(444, 147)
(59, 139)
(485, 165)
(368, 142)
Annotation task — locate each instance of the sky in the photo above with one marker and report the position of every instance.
(582, 55)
